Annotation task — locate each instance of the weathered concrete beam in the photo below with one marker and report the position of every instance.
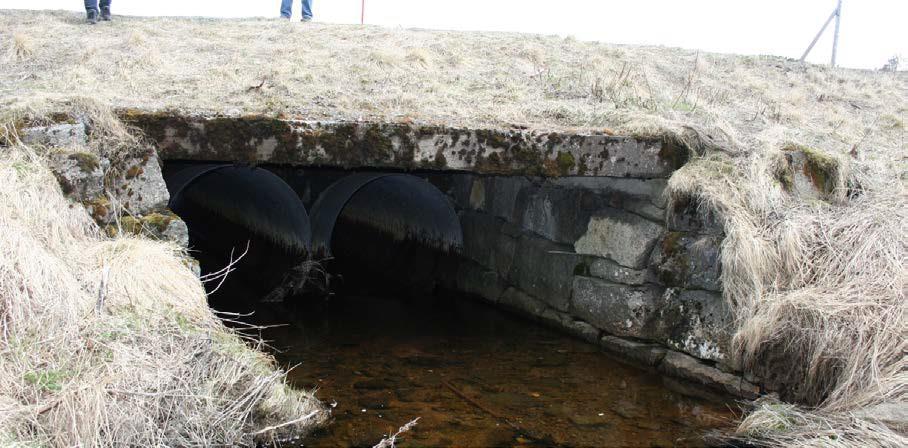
(257, 139)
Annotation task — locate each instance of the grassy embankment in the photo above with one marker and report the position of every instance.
(816, 277)
(110, 341)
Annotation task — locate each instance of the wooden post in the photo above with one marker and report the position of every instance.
(837, 15)
(835, 37)
(362, 13)
(815, 39)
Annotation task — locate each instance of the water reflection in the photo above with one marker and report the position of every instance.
(475, 376)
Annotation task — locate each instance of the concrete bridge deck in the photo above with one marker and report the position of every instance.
(262, 140)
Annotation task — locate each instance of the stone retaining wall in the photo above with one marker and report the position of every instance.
(597, 257)
(123, 195)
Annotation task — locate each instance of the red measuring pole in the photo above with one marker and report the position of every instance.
(362, 13)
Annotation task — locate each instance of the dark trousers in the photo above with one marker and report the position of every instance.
(92, 5)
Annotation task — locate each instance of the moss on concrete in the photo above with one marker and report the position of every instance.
(566, 162)
(372, 144)
(375, 145)
(553, 140)
(529, 160)
(407, 144)
(337, 142)
(440, 162)
(549, 169)
(87, 162)
(676, 262)
(674, 154)
(224, 138)
(134, 171)
(582, 168)
(152, 224)
(155, 125)
(820, 167)
(493, 139)
(159, 221)
(99, 209)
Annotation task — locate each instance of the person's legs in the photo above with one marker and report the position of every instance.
(105, 9)
(286, 8)
(307, 10)
(91, 9)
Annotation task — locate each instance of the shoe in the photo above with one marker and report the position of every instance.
(287, 18)
(92, 16)
(105, 14)
(307, 19)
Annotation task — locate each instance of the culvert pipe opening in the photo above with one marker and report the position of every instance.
(237, 210)
(386, 229)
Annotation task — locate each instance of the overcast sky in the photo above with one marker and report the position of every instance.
(872, 30)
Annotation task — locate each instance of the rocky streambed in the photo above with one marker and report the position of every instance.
(476, 376)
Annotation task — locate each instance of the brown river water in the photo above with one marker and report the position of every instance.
(475, 376)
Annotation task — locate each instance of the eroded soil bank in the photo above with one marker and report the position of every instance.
(475, 376)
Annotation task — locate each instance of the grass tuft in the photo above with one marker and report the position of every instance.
(19, 48)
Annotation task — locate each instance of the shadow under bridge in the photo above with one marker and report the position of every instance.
(375, 229)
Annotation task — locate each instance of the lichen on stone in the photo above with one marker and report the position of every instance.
(86, 161)
(153, 224)
(99, 209)
(566, 162)
(820, 167)
(674, 154)
(134, 171)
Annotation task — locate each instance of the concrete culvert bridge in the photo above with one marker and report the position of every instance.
(572, 230)
(671, 207)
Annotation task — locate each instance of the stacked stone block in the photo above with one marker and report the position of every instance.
(601, 258)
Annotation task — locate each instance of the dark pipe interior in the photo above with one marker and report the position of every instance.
(395, 233)
(232, 208)
(392, 235)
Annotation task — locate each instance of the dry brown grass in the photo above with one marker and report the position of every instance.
(110, 342)
(786, 425)
(818, 288)
(321, 71)
(823, 279)
(18, 48)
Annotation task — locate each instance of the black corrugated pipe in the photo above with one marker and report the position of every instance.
(386, 229)
(227, 207)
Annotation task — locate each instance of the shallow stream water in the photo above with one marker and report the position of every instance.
(474, 376)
